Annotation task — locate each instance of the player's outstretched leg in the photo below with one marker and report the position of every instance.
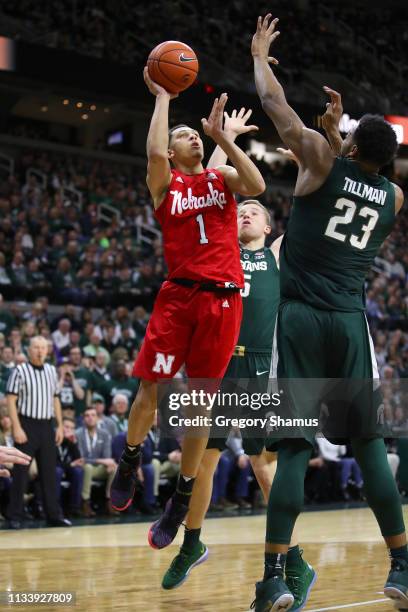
(299, 575)
(140, 421)
(163, 531)
(383, 497)
(193, 552)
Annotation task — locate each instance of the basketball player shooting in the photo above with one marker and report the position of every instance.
(197, 313)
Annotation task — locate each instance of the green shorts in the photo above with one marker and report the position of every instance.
(253, 369)
(335, 351)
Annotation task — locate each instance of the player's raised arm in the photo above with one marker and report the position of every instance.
(331, 120)
(244, 177)
(310, 147)
(158, 165)
(234, 125)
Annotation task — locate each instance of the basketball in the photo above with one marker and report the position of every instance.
(173, 65)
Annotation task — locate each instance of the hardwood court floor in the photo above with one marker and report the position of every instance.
(112, 568)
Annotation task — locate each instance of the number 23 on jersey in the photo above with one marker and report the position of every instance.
(350, 209)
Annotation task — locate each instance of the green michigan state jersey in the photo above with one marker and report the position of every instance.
(260, 299)
(333, 236)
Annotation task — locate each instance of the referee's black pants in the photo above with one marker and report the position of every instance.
(41, 446)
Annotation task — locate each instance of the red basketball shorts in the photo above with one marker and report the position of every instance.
(193, 327)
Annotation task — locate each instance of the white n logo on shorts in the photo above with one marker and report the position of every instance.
(163, 363)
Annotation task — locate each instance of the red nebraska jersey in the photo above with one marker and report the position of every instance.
(198, 218)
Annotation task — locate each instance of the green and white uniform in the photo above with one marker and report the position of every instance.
(332, 238)
(251, 359)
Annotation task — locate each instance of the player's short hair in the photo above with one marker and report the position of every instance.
(376, 140)
(176, 127)
(265, 210)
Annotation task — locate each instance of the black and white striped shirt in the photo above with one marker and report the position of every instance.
(35, 388)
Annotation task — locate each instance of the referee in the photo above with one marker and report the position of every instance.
(33, 402)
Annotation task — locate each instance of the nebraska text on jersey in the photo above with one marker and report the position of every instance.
(192, 202)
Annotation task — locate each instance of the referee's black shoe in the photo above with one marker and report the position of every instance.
(14, 524)
(59, 522)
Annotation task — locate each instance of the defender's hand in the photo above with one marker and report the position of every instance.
(334, 109)
(213, 125)
(235, 124)
(9, 454)
(155, 88)
(263, 38)
(289, 155)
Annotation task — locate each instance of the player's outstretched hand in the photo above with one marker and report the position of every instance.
(8, 454)
(213, 125)
(236, 123)
(334, 109)
(263, 38)
(154, 88)
(289, 155)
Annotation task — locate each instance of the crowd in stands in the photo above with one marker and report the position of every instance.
(52, 247)
(124, 31)
(53, 251)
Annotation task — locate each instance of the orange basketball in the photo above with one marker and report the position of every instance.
(173, 65)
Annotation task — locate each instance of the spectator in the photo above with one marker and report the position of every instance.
(83, 377)
(140, 321)
(120, 407)
(7, 362)
(37, 283)
(317, 481)
(95, 448)
(334, 457)
(5, 280)
(233, 457)
(71, 392)
(129, 341)
(94, 347)
(100, 372)
(15, 341)
(104, 422)
(7, 320)
(19, 272)
(166, 457)
(70, 467)
(240, 461)
(121, 382)
(392, 456)
(61, 336)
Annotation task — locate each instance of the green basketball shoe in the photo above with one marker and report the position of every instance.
(300, 580)
(182, 565)
(396, 587)
(272, 595)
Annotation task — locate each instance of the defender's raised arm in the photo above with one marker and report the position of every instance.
(310, 147)
(234, 125)
(331, 119)
(244, 177)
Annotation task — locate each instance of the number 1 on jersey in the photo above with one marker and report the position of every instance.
(203, 237)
